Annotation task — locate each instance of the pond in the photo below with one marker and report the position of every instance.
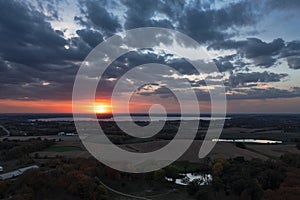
(202, 179)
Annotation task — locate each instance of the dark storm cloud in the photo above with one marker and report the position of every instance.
(261, 53)
(35, 91)
(292, 54)
(172, 9)
(190, 17)
(20, 82)
(125, 63)
(228, 44)
(286, 4)
(233, 83)
(223, 65)
(182, 66)
(165, 93)
(256, 48)
(37, 61)
(239, 94)
(130, 60)
(294, 62)
(141, 13)
(162, 92)
(133, 59)
(96, 16)
(3, 66)
(27, 38)
(292, 49)
(231, 63)
(211, 25)
(92, 38)
(241, 79)
(269, 93)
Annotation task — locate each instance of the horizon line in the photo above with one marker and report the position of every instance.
(144, 113)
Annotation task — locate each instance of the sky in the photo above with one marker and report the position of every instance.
(255, 45)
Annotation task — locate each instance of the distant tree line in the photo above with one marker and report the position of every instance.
(13, 149)
(253, 179)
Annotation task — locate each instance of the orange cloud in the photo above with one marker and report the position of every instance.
(280, 105)
(17, 106)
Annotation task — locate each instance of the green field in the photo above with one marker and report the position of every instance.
(187, 166)
(63, 149)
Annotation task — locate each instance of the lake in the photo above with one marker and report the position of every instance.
(133, 118)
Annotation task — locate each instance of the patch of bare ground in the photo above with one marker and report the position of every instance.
(221, 150)
(274, 150)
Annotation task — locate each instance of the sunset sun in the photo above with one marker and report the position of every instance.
(101, 108)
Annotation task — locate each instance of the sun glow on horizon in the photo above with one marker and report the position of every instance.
(102, 108)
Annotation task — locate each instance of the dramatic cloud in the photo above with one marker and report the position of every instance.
(213, 25)
(203, 25)
(98, 17)
(292, 54)
(261, 53)
(43, 44)
(38, 61)
(27, 38)
(241, 79)
(269, 93)
(141, 13)
(294, 62)
(256, 48)
(92, 38)
(224, 64)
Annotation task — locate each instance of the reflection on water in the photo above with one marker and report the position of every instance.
(259, 141)
(201, 179)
